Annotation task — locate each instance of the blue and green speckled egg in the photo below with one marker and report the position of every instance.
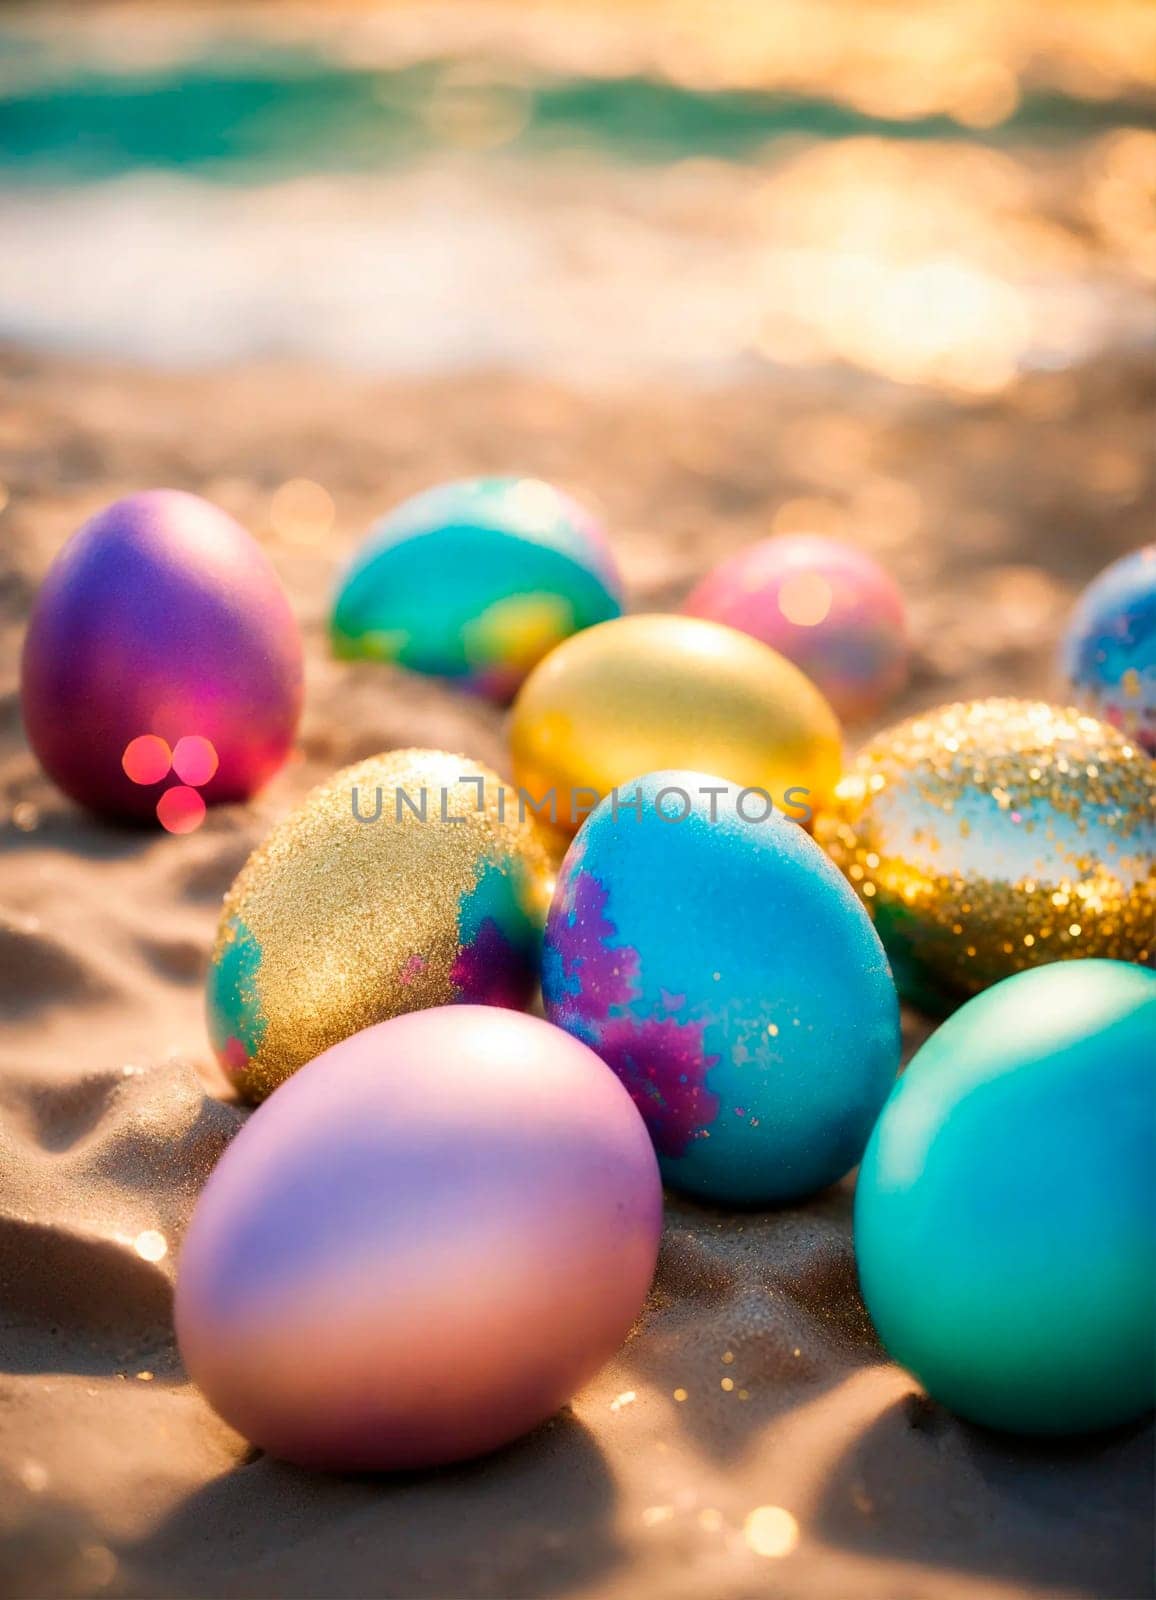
(405, 882)
(476, 581)
(715, 958)
(1005, 1217)
(1109, 653)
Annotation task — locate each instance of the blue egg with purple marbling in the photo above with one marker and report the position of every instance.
(1109, 652)
(721, 965)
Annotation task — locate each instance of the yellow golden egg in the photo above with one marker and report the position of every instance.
(410, 880)
(648, 693)
(994, 835)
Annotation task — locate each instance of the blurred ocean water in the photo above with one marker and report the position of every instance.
(943, 195)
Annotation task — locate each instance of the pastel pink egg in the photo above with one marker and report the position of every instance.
(826, 606)
(422, 1244)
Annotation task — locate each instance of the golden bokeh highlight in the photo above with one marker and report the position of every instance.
(302, 512)
(151, 1245)
(771, 1531)
(805, 598)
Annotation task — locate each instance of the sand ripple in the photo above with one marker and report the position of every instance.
(753, 1379)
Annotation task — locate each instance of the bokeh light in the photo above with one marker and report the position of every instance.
(180, 809)
(151, 1245)
(951, 195)
(194, 759)
(771, 1531)
(146, 759)
(302, 512)
(805, 598)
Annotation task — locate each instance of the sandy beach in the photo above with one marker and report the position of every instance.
(753, 1379)
(872, 270)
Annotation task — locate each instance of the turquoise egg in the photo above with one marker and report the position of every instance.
(718, 962)
(476, 581)
(1005, 1217)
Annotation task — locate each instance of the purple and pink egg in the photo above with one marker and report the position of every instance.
(162, 667)
(422, 1245)
(828, 607)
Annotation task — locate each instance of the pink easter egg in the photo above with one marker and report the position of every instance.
(422, 1244)
(826, 606)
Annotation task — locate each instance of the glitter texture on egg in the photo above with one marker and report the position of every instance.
(1109, 653)
(826, 606)
(410, 880)
(721, 966)
(644, 693)
(475, 581)
(994, 835)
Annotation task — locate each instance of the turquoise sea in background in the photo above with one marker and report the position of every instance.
(236, 118)
(179, 193)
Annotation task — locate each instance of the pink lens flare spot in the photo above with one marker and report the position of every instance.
(236, 1056)
(146, 759)
(194, 759)
(413, 968)
(180, 810)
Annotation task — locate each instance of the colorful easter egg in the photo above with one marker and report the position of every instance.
(407, 881)
(649, 692)
(994, 835)
(476, 581)
(161, 655)
(826, 606)
(422, 1245)
(1109, 653)
(1005, 1216)
(718, 962)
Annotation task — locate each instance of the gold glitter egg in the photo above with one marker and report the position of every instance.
(413, 879)
(647, 693)
(994, 835)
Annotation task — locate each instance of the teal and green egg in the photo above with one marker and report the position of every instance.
(1005, 1215)
(718, 962)
(475, 581)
